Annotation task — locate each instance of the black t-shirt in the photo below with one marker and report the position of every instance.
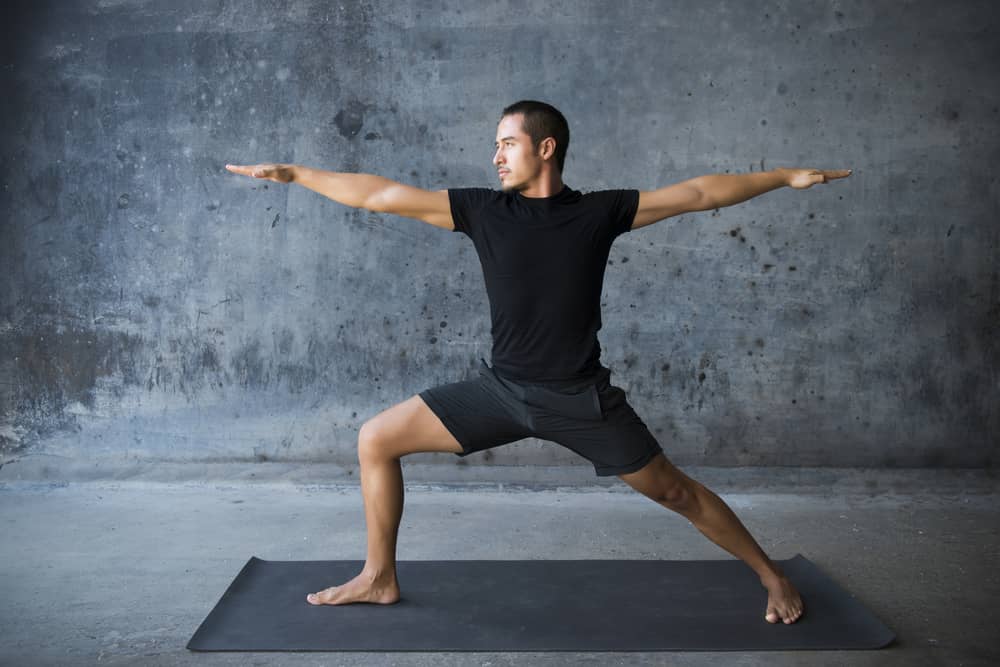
(543, 261)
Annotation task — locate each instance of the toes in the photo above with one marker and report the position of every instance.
(319, 598)
(790, 617)
(773, 615)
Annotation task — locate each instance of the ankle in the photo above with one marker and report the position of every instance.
(378, 574)
(771, 575)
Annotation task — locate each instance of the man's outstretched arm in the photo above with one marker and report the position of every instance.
(367, 191)
(712, 191)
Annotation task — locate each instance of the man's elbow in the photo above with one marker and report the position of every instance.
(379, 201)
(706, 202)
(699, 198)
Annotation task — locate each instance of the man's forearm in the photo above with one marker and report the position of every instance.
(349, 189)
(722, 190)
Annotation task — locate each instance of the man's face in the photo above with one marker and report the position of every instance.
(516, 161)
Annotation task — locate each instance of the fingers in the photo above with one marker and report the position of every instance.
(827, 175)
(254, 171)
(246, 170)
(836, 173)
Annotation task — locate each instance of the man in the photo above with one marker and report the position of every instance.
(543, 248)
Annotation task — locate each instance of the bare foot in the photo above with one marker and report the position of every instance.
(783, 601)
(362, 588)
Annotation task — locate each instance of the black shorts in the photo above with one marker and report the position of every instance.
(592, 418)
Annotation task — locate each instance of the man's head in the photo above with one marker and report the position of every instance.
(530, 136)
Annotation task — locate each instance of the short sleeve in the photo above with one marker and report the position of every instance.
(627, 205)
(620, 207)
(465, 205)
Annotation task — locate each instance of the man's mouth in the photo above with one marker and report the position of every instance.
(502, 172)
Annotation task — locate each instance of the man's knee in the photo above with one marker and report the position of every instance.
(372, 442)
(662, 482)
(676, 493)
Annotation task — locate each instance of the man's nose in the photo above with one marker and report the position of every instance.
(497, 157)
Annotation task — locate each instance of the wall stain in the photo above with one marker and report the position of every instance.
(350, 119)
(55, 368)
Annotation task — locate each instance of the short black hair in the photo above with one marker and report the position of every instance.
(543, 120)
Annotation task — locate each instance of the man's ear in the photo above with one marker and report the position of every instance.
(547, 148)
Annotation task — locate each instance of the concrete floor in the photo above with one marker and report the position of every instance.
(123, 572)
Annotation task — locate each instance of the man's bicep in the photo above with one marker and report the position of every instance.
(430, 206)
(656, 205)
(440, 211)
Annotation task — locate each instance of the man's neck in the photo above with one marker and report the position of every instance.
(545, 186)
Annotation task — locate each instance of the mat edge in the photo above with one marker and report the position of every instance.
(251, 562)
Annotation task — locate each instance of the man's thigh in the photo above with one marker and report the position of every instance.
(476, 414)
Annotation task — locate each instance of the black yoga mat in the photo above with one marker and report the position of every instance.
(535, 605)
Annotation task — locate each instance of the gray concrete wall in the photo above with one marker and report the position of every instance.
(155, 308)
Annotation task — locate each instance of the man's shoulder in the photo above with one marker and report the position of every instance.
(610, 199)
(608, 193)
(488, 192)
(475, 196)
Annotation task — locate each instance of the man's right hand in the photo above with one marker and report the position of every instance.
(279, 173)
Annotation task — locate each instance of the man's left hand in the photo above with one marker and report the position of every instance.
(801, 179)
